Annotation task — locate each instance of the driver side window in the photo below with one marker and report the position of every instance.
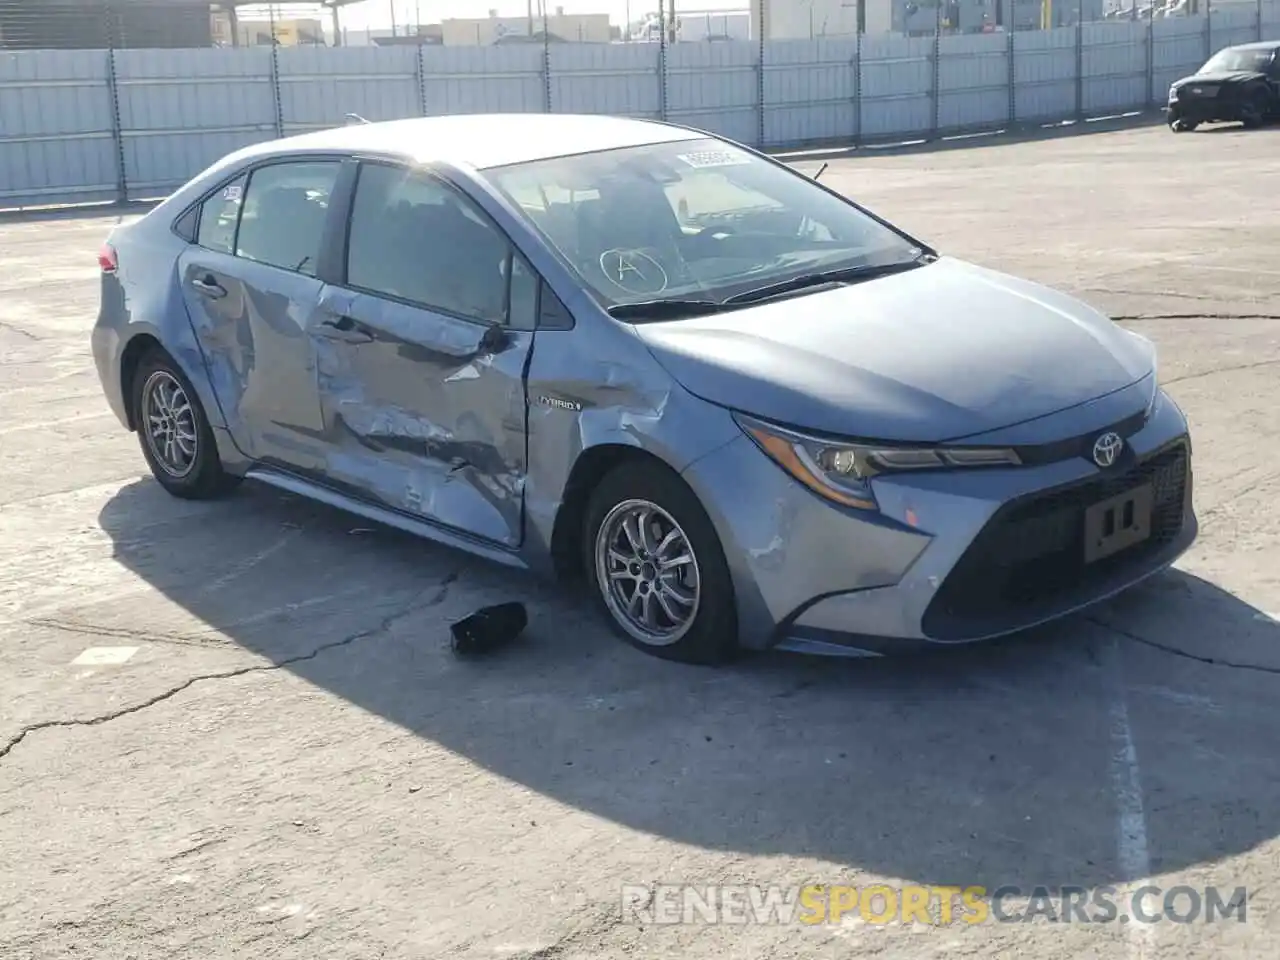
(417, 239)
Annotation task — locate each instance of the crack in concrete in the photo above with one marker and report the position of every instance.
(5, 325)
(1209, 373)
(386, 624)
(1165, 648)
(1196, 316)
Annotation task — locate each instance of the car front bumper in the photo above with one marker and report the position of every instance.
(1208, 110)
(950, 557)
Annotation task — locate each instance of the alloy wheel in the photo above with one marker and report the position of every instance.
(647, 572)
(169, 424)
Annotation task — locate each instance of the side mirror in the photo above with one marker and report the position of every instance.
(495, 340)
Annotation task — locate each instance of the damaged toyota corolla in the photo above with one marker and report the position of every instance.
(750, 412)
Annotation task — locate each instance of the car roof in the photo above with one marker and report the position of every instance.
(1257, 45)
(480, 141)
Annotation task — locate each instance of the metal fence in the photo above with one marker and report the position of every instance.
(107, 125)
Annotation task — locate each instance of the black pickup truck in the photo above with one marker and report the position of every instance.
(1237, 83)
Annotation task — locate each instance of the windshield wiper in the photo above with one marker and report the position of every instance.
(665, 309)
(826, 278)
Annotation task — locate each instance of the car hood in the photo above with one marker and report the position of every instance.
(1219, 76)
(938, 353)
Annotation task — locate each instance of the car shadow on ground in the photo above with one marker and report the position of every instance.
(990, 765)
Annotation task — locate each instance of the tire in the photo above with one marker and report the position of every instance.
(1254, 113)
(1182, 126)
(706, 630)
(160, 389)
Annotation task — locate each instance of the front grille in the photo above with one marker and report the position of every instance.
(1032, 549)
(1078, 446)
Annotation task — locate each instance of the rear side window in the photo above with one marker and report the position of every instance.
(414, 238)
(283, 215)
(218, 217)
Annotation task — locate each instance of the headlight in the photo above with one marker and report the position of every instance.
(842, 472)
(1173, 93)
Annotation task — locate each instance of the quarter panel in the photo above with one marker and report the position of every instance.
(143, 299)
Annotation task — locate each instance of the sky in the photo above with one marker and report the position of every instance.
(376, 14)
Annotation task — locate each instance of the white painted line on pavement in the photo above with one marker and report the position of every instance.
(104, 656)
(1131, 821)
(240, 569)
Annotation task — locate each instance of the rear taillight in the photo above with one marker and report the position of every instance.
(107, 258)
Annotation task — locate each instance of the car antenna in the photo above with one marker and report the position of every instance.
(356, 118)
(821, 170)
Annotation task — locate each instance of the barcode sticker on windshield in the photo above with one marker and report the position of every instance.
(714, 158)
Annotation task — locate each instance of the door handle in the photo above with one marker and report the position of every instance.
(345, 328)
(209, 287)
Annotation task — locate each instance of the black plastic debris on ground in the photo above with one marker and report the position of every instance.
(488, 629)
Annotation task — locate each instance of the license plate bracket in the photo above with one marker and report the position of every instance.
(1117, 523)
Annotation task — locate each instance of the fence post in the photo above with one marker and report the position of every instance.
(1079, 60)
(760, 84)
(117, 129)
(857, 89)
(935, 71)
(547, 104)
(1010, 52)
(420, 68)
(662, 60)
(1208, 29)
(275, 90)
(1151, 65)
(1260, 21)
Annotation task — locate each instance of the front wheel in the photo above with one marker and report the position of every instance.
(1182, 126)
(174, 432)
(658, 567)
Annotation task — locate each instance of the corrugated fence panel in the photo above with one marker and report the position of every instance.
(1178, 45)
(1271, 19)
(810, 88)
(181, 110)
(615, 78)
(897, 79)
(1044, 63)
(1113, 67)
(1235, 24)
(973, 81)
(319, 86)
(506, 79)
(715, 87)
(56, 144)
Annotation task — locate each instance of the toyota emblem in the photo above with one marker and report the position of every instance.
(1106, 448)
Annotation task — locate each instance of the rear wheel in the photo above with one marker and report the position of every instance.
(174, 432)
(658, 567)
(1254, 112)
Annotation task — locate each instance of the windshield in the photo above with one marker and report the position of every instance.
(696, 219)
(1231, 61)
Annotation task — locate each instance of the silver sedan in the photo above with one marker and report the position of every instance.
(749, 411)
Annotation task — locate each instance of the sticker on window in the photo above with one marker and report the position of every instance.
(713, 158)
(232, 192)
